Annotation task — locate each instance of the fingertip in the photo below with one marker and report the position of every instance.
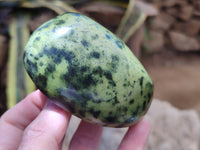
(143, 123)
(136, 136)
(48, 129)
(51, 106)
(87, 137)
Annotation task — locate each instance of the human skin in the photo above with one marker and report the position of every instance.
(37, 123)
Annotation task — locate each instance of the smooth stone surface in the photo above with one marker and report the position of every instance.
(88, 70)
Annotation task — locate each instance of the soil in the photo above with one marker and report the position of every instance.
(176, 76)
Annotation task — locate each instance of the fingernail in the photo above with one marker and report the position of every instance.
(50, 105)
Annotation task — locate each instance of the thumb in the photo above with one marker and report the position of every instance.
(47, 130)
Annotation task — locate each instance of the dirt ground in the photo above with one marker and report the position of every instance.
(176, 77)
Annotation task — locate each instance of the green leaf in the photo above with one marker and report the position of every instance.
(18, 82)
(58, 6)
(132, 20)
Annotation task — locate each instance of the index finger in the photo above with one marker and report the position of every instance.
(15, 120)
(136, 136)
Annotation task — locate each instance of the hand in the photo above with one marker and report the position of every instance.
(38, 124)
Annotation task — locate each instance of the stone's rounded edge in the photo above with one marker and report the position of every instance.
(41, 80)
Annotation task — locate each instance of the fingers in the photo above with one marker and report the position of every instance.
(136, 136)
(15, 120)
(47, 130)
(87, 137)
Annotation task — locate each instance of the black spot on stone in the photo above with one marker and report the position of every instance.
(76, 78)
(125, 109)
(85, 43)
(131, 101)
(114, 62)
(98, 100)
(95, 55)
(49, 69)
(112, 83)
(84, 69)
(72, 71)
(141, 92)
(144, 105)
(57, 54)
(95, 37)
(60, 22)
(134, 113)
(69, 56)
(36, 58)
(115, 58)
(137, 110)
(141, 81)
(41, 82)
(31, 54)
(32, 66)
(129, 94)
(82, 113)
(132, 119)
(119, 44)
(101, 81)
(111, 119)
(149, 95)
(37, 39)
(108, 75)
(116, 101)
(108, 36)
(71, 33)
(98, 71)
(88, 80)
(76, 14)
(87, 96)
(41, 64)
(41, 55)
(95, 113)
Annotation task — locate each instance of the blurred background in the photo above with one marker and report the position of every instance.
(163, 34)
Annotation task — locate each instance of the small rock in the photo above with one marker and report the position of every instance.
(181, 3)
(169, 3)
(171, 128)
(41, 18)
(162, 22)
(173, 11)
(156, 42)
(102, 13)
(197, 13)
(183, 42)
(186, 12)
(191, 27)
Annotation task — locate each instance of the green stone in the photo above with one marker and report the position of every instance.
(88, 70)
